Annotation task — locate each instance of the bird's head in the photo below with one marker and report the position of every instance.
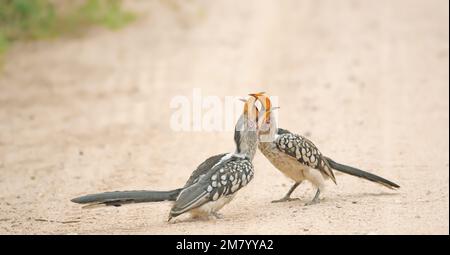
(266, 121)
(249, 117)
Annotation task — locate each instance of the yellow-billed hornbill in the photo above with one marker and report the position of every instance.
(212, 185)
(298, 158)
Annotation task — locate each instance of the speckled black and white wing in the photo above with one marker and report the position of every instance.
(204, 167)
(223, 179)
(304, 151)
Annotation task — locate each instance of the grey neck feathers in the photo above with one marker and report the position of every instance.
(246, 139)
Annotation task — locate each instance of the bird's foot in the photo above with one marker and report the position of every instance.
(315, 200)
(217, 215)
(312, 202)
(285, 199)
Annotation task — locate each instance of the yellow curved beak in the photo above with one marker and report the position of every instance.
(250, 110)
(265, 103)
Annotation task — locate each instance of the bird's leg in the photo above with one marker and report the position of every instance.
(217, 215)
(315, 200)
(287, 197)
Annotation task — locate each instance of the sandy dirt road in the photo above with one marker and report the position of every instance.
(367, 81)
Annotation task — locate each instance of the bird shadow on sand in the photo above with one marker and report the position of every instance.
(369, 194)
(193, 219)
(356, 197)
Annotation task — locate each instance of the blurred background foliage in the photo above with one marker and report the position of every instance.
(41, 19)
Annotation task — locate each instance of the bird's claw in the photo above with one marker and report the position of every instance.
(217, 215)
(312, 202)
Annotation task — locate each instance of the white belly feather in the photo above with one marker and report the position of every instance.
(290, 167)
(212, 206)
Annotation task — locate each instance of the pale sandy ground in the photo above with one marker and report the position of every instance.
(368, 82)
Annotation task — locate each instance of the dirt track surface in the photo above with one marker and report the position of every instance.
(366, 81)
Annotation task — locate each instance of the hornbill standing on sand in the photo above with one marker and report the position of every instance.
(298, 158)
(212, 185)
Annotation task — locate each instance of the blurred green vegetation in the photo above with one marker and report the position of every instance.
(41, 19)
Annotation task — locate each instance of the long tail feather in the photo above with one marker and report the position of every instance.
(118, 198)
(362, 174)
